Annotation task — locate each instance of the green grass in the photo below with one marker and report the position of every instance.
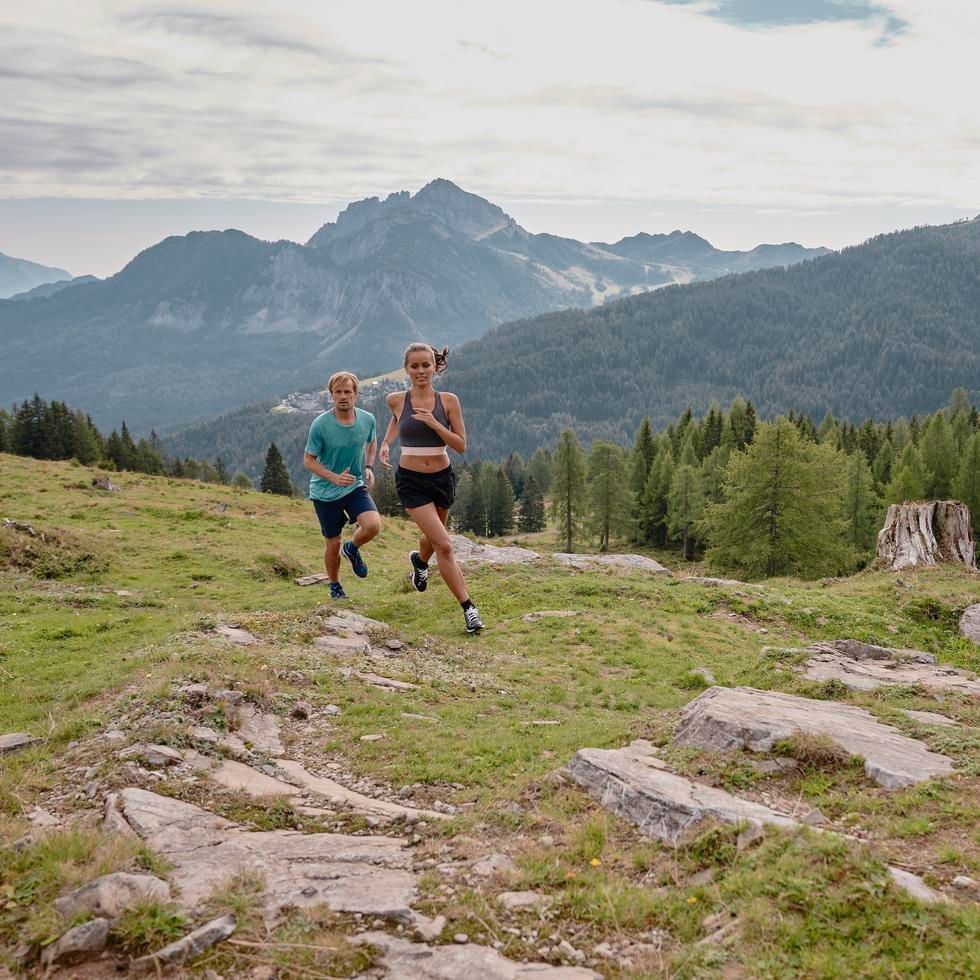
(75, 656)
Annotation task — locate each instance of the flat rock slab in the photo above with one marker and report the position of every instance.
(929, 718)
(16, 740)
(470, 553)
(236, 635)
(320, 578)
(726, 719)
(638, 563)
(336, 793)
(634, 784)
(970, 623)
(259, 729)
(831, 664)
(346, 623)
(523, 900)
(344, 872)
(404, 960)
(343, 646)
(388, 683)
(533, 617)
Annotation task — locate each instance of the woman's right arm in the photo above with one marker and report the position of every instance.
(395, 402)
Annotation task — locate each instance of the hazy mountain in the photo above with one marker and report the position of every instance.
(204, 322)
(19, 275)
(50, 288)
(883, 329)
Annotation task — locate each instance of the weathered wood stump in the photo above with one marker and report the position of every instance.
(925, 533)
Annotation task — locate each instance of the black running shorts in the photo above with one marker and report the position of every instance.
(418, 489)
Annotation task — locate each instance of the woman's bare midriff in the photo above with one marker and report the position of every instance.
(423, 464)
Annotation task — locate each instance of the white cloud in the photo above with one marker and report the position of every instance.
(614, 101)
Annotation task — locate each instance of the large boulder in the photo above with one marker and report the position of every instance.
(639, 563)
(970, 623)
(635, 785)
(731, 718)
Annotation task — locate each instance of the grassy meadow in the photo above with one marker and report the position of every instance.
(104, 616)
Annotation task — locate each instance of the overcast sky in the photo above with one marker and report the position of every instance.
(819, 121)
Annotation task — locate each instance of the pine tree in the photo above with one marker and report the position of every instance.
(653, 510)
(909, 477)
(967, 483)
(568, 500)
(531, 518)
(220, 469)
(862, 506)
(938, 448)
(685, 506)
(644, 450)
(609, 496)
(781, 513)
(4, 427)
(275, 476)
(884, 464)
(514, 468)
(539, 466)
(500, 510)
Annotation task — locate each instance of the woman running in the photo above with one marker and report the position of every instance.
(427, 421)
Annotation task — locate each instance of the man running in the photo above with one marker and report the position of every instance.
(340, 458)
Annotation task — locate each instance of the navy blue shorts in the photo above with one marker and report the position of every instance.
(334, 514)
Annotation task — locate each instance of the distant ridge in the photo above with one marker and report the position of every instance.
(204, 322)
(20, 275)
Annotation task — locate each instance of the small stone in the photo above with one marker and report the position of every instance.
(546, 840)
(394, 644)
(331, 709)
(704, 674)
(814, 818)
(111, 894)
(372, 738)
(748, 837)
(160, 756)
(301, 710)
(604, 950)
(494, 864)
(229, 697)
(913, 885)
(522, 900)
(114, 735)
(194, 694)
(201, 733)
(90, 789)
(191, 945)
(461, 938)
(963, 881)
(89, 937)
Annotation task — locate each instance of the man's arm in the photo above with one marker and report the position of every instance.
(370, 450)
(313, 465)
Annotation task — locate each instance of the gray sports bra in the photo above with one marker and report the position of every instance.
(417, 435)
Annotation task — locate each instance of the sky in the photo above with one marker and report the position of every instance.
(817, 121)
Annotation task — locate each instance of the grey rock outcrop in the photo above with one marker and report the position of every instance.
(193, 944)
(346, 873)
(913, 885)
(112, 894)
(635, 784)
(471, 553)
(236, 634)
(730, 718)
(404, 960)
(638, 563)
(970, 623)
(833, 662)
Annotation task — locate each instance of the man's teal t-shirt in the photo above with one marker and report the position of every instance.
(339, 447)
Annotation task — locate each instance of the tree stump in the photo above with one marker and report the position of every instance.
(926, 533)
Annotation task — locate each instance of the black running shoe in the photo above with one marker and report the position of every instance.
(420, 573)
(353, 555)
(337, 591)
(473, 622)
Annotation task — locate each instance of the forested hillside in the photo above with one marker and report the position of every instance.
(880, 330)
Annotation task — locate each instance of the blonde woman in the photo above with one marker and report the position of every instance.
(427, 423)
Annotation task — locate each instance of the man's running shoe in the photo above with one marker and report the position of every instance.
(420, 572)
(353, 555)
(337, 591)
(473, 622)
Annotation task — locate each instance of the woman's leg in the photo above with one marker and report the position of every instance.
(431, 522)
(425, 546)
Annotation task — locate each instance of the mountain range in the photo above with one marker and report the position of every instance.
(19, 275)
(880, 330)
(205, 322)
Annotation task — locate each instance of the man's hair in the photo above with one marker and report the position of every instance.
(335, 379)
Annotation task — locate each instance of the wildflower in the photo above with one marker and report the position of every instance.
(595, 862)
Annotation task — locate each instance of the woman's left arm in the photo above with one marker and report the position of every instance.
(455, 436)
